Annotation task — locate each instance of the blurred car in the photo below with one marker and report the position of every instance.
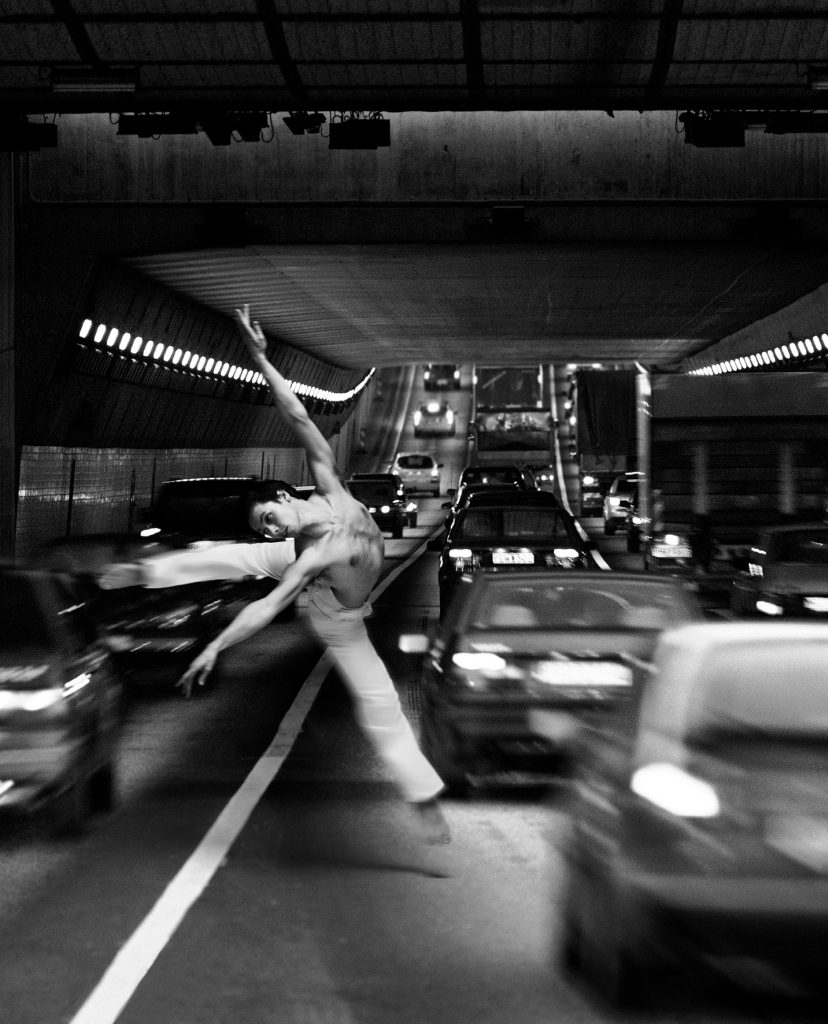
(786, 575)
(419, 471)
(496, 475)
(432, 418)
(517, 645)
(441, 376)
(592, 495)
(617, 501)
(699, 816)
(144, 627)
(411, 507)
(471, 491)
(514, 533)
(380, 497)
(545, 477)
(61, 702)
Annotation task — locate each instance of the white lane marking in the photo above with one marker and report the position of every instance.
(142, 949)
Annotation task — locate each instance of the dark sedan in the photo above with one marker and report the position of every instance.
(520, 658)
(380, 497)
(786, 575)
(516, 532)
(60, 701)
(699, 820)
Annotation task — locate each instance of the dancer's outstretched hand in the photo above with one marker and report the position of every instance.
(252, 332)
(196, 674)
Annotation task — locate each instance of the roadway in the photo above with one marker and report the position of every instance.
(261, 868)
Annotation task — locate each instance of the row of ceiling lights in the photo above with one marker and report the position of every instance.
(806, 349)
(124, 343)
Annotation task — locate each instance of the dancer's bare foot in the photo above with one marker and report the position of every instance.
(434, 826)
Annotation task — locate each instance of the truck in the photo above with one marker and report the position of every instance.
(720, 457)
(603, 402)
(511, 416)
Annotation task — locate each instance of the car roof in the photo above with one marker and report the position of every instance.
(819, 526)
(496, 497)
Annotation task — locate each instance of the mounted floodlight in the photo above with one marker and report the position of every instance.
(301, 122)
(145, 126)
(23, 136)
(360, 133)
(818, 77)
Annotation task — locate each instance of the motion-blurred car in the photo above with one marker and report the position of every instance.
(441, 376)
(380, 497)
(434, 418)
(517, 646)
(617, 501)
(786, 575)
(468, 492)
(144, 628)
(699, 817)
(411, 507)
(515, 533)
(592, 495)
(61, 702)
(419, 471)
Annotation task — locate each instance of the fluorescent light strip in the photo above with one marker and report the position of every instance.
(161, 353)
(803, 348)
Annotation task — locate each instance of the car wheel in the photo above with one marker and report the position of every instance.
(70, 809)
(609, 527)
(596, 943)
(102, 789)
(412, 521)
(633, 542)
(397, 530)
(437, 744)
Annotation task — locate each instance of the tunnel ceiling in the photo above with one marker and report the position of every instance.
(356, 305)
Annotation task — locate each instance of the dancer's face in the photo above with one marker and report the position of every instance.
(274, 520)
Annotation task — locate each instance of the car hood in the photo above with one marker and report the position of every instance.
(795, 577)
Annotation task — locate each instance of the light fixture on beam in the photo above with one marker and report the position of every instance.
(145, 126)
(24, 136)
(360, 133)
(220, 128)
(713, 129)
(302, 122)
(818, 77)
(84, 80)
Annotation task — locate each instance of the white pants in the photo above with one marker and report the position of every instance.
(342, 630)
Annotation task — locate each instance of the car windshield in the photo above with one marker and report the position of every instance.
(215, 507)
(373, 492)
(491, 477)
(773, 689)
(415, 462)
(512, 603)
(22, 623)
(521, 524)
(802, 546)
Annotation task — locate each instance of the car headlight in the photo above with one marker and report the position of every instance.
(768, 606)
(675, 790)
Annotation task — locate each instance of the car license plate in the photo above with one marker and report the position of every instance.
(816, 604)
(671, 551)
(801, 837)
(513, 558)
(583, 673)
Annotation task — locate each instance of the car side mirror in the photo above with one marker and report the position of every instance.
(624, 504)
(451, 491)
(440, 465)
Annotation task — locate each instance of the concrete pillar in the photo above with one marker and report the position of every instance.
(643, 431)
(9, 465)
(701, 487)
(787, 479)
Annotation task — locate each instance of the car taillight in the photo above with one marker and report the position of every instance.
(676, 791)
(463, 558)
